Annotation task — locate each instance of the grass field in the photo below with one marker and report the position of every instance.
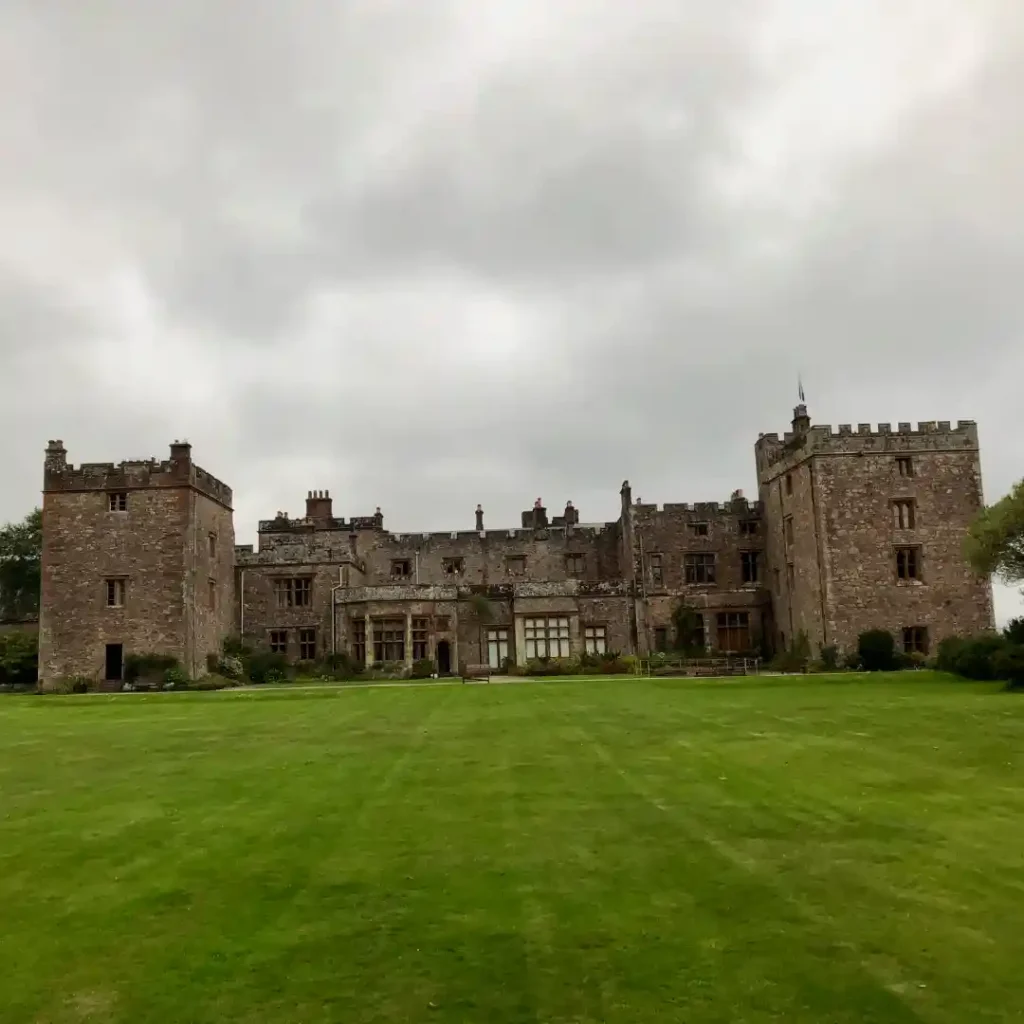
(627, 850)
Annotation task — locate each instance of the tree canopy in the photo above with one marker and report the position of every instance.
(995, 542)
(20, 550)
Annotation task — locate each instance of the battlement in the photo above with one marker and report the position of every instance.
(131, 474)
(775, 453)
(704, 509)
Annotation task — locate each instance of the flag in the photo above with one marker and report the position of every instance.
(800, 388)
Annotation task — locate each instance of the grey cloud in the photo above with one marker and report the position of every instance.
(404, 160)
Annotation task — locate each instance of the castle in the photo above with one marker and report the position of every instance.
(852, 529)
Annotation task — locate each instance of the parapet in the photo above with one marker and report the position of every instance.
(131, 474)
(704, 509)
(927, 435)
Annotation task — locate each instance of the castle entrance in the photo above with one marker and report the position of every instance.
(444, 658)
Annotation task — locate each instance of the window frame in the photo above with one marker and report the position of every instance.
(307, 643)
(117, 501)
(656, 568)
(278, 641)
(750, 567)
(916, 640)
(292, 592)
(403, 567)
(733, 625)
(909, 563)
(575, 564)
(420, 638)
(115, 591)
(595, 638)
(547, 636)
(515, 565)
(697, 564)
(357, 642)
(388, 639)
(498, 646)
(700, 529)
(903, 521)
(905, 466)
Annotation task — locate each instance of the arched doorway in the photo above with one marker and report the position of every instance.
(444, 658)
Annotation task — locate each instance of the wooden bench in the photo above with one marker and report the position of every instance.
(478, 672)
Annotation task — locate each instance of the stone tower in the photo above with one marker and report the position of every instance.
(865, 529)
(137, 559)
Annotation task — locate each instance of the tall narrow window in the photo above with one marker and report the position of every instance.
(359, 641)
(904, 465)
(211, 593)
(788, 528)
(279, 641)
(211, 544)
(420, 639)
(749, 566)
(575, 565)
(307, 644)
(908, 563)
(595, 639)
(657, 575)
(497, 647)
(115, 591)
(915, 639)
(904, 513)
(789, 483)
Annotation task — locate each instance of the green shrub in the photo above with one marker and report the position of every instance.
(340, 666)
(230, 667)
(19, 658)
(211, 682)
(877, 650)
(916, 660)
(149, 668)
(829, 657)
(422, 668)
(235, 647)
(70, 684)
(176, 678)
(631, 663)
(947, 653)
(975, 658)
(1008, 665)
(796, 659)
(266, 667)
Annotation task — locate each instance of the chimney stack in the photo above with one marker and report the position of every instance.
(572, 517)
(479, 519)
(319, 506)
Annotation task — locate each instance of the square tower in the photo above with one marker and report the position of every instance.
(137, 559)
(866, 530)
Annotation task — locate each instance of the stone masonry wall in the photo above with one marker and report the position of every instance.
(857, 520)
(210, 553)
(83, 544)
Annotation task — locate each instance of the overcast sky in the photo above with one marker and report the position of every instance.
(426, 253)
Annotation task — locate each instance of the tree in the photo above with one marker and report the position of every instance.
(21, 546)
(995, 541)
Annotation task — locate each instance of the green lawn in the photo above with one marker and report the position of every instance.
(819, 850)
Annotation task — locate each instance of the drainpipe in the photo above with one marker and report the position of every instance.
(241, 604)
(334, 615)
